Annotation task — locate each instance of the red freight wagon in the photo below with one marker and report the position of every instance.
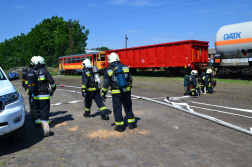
(181, 56)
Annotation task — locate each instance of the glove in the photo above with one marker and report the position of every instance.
(84, 94)
(103, 98)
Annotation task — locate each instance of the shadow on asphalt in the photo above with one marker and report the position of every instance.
(61, 119)
(51, 114)
(33, 136)
(99, 113)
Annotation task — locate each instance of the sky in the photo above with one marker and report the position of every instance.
(145, 22)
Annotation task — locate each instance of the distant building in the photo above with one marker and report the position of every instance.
(88, 51)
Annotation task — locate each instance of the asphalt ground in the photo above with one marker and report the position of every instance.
(164, 137)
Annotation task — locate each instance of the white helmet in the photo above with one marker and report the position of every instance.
(209, 71)
(40, 60)
(113, 57)
(86, 63)
(34, 60)
(194, 72)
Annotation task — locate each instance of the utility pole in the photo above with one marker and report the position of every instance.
(70, 37)
(126, 40)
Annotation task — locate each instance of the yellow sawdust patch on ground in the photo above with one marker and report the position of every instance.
(143, 132)
(63, 123)
(105, 134)
(74, 129)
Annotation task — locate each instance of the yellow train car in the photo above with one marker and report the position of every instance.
(72, 64)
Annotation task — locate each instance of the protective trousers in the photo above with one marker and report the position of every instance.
(31, 103)
(97, 98)
(194, 92)
(42, 108)
(210, 90)
(124, 99)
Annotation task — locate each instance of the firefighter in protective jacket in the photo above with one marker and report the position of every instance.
(193, 88)
(207, 83)
(91, 89)
(120, 96)
(42, 95)
(24, 79)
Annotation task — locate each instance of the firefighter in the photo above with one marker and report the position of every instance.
(91, 89)
(120, 96)
(24, 75)
(41, 93)
(193, 88)
(207, 82)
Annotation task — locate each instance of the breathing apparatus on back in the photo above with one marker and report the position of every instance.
(32, 77)
(95, 72)
(121, 81)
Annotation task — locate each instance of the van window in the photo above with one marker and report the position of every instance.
(65, 61)
(69, 60)
(73, 60)
(2, 77)
(82, 59)
(78, 60)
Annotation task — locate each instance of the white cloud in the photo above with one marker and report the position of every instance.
(118, 2)
(205, 11)
(238, 6)
(19, 7)
(135, 2)
(133, 31)
(140, 3)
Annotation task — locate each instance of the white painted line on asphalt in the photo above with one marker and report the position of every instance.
(222, 112)
(238, 109)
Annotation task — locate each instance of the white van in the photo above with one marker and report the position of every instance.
(12, 110)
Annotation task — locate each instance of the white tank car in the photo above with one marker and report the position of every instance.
(233, 44)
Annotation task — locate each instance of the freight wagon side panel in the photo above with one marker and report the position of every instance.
(187, 54)
(143, 58)
(122, 56)
(151, 58)
(136, 58)
(178, 60)
(169, 55)
(160, 56)
(130, 57)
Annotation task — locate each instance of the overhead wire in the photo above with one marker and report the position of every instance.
(130, 12)
(143, 9)
(102, 19)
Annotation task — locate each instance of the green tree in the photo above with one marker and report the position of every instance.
(101, 48)
(49, 39)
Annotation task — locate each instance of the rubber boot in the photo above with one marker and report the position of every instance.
(119, 128)
(86, 114)
(44, 129)
(105, 117)
(132, 125)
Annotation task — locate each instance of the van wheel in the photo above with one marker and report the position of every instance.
(19, 134)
